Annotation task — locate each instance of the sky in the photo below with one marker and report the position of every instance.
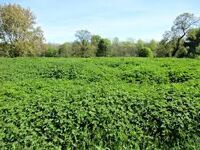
(125, 19)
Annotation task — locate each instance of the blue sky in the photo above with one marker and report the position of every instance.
(135, 19)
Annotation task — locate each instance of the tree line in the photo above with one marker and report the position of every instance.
(88, 45)
(20, 36)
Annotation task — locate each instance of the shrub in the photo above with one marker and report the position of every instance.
(145, 52)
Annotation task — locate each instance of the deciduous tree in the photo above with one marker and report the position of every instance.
(192, 42)
(103, 48)
(83, 41)
(182, 24)
(18, 33)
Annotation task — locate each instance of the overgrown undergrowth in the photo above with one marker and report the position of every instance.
(105, 103)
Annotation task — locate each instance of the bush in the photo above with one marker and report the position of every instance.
(145, 52)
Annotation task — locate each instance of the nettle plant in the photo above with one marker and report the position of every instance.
(105, 103)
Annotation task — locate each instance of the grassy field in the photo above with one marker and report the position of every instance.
(99, 103)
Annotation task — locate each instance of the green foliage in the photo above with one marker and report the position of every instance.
(99, 103)
(65, 50)
(193, 42)
(153, 45)
(82, 45)
(174, 39)
(95, 40)
(51, 50)
(164, 49)
(19, 35)
(180, 76)
(144, 76)
(130, 48)
(145, 52)
(103, 47)
(182, 52)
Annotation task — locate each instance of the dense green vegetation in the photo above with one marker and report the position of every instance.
(99, 103)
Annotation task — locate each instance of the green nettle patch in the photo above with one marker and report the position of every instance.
(180, 76)
(104, 103)
(143, 76)
(55, 72)
(58, 72)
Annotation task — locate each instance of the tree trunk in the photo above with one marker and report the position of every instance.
(177, 45)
